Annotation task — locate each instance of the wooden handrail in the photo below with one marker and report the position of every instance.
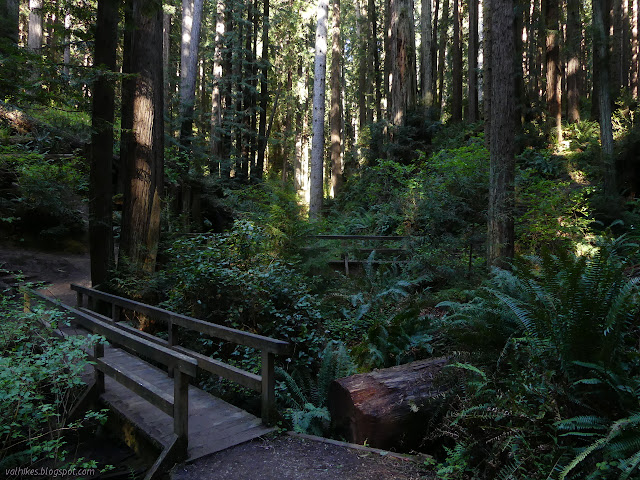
(278, 347)
(183, 366)
(263, 384)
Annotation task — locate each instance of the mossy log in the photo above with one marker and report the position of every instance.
(388, 408)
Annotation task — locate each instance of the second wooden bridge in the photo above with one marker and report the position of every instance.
(184, 421)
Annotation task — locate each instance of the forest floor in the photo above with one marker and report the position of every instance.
(281, 457)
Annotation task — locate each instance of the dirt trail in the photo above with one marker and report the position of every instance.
(57, 270)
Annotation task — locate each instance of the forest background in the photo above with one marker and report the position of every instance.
(497, 137)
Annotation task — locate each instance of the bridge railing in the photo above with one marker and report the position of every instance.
(183, 366)
(269, 347)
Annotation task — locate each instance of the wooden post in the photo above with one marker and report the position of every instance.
(173, 331)
(181, 410)
(79, 299)
(268, 387)
(115, 313)
(98, 352)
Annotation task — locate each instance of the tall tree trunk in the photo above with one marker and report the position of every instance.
(502, 170)
(335, 116)
(166, 49)
(66, 56)
(216, 94)
(35, 25)
(191, 22)
(375, 54)
(600, 58)
(402, 56)
(442, 57)
(615, 73)
(317, 152)
(456, 92)
(426, 62)
(264, 92)
(363, 67)
(487, 59)
(574, 40)
(102, 116)
(634, 49)
(9, 20)
(520, 99)
(434, 50)
(554, 86)
(474, 114)
(144, 163)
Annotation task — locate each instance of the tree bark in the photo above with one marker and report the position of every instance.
(402, 56)
(600, 59)
(216, 94)
(166, 49)
(335, 116)
(502, 169)
(388, 407)
(615, 72)
(191, 21)
(474, 114)
(442, 59)
(634, 49)
(144, 162)
(456, 91)
(35, 25)
(101, 153)
(317, 149)
(574, 40)
(554, 85)
(373, 49)
(264, 92)
(487, 59)
(426, 62)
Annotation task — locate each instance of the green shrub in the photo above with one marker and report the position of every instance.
(39, 384)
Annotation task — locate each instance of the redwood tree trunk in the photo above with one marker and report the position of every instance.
(35, 25)
(426, 61)
(574, 39)
(402, 56)
(335, 116)
(317, 148)
(144, 162)
(634, 49)
(554, 85)
(442, 60)
(474, 114)
(486, 50)
(456, 91)
(502, 169)
(103, 112)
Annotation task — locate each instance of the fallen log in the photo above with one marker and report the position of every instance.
(388, 408)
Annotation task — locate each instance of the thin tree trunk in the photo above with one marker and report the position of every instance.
(373, 48)
(66, 56)
(103, 112)
(35, 25)
(634, 49)
(264, 92)
(456, 92)
(615, 74)
(574, 39)
(142, 197)
(487, 78)
(474, 114)
(363, 67)
(403, 61)
(554, 86)
(502, 170)
(426, 62)
(442, 60)
(335, 116)
(191, 22)
(604, 99)
(166, 48)
(434, 50)
(216, 94)
(317, 152)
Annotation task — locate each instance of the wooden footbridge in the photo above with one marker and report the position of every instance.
(146, 379)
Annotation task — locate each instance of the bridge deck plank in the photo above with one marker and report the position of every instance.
(214, 424)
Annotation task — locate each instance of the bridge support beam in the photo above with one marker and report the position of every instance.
(268, 387)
